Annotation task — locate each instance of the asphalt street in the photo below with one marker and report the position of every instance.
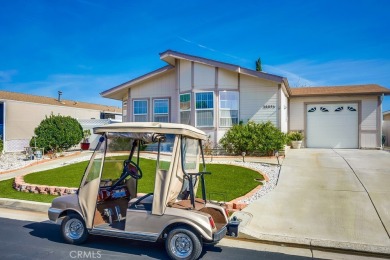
(42, 240)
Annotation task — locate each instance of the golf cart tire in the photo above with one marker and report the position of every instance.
(73, 229)
(183, 237)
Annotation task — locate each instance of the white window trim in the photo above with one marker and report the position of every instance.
(204, 109)
(225, 109)
(159, 99)
(147, 109)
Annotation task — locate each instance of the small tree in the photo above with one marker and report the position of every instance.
(258, 65)
(253, 137)
(57, 133)
(1, 144)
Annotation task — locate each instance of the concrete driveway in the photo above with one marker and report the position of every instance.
(328, 198)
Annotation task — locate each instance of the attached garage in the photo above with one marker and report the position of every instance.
(339, 116)
(332, 125)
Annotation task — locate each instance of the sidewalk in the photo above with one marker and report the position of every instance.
(326, 198)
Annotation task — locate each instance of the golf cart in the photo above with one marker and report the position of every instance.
(108, 203)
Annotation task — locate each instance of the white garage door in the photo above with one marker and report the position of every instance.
(332, 126)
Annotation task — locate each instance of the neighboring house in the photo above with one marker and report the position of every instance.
(386, 127)
(20, 114)
(213, 96)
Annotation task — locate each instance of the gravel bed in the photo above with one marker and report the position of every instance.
(272, 172)
(13, 161)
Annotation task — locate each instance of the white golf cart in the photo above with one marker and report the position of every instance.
(108, 202)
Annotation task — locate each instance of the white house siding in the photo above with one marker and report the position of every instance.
(258, 100)
(283, 112)
(185, 75)
(227, 80)
(204, 76)
(158, 87)
(369, 114)
(386, 129)
(368, 124)
(21, 118)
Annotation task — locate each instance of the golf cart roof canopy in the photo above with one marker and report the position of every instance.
(151, 128)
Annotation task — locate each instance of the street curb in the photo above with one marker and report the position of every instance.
(326, 245)
(24, 205)
(315, 243)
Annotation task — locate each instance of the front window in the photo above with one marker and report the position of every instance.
(228, 108)
(161, 110)
(185, 108)
(204, 109)
(140, 110)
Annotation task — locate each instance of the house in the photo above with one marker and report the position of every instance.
(213, 96)
(20, 114)
(386, 127)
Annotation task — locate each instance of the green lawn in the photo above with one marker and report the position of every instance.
(7, 191)
(226, 181)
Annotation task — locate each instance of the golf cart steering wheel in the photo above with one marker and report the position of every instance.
(132, 169)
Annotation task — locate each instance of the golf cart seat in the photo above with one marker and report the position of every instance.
(142, 202)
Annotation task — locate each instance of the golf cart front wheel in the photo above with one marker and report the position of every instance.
(73, 229)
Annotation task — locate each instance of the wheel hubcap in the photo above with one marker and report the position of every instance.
(74, 229)
(181, 245)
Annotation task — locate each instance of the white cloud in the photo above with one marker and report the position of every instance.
(338, 72)
(294, 79)
(211, 49)
(6, 75)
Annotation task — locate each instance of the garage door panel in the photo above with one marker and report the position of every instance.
(332, 126)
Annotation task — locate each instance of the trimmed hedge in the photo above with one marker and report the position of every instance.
(253, 137)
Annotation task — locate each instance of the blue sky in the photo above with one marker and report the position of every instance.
(85, 47)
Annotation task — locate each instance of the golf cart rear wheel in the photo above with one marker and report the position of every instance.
(182, 243)
(73, 229)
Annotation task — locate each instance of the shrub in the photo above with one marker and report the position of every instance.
(57, 133)
(1, 144)
(295, 136)
(253, 137)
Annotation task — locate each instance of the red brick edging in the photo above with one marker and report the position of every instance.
(20, 185)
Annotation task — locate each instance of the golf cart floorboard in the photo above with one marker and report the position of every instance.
(116, 225)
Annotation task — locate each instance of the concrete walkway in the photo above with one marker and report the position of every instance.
(46, 165)
(327, 198)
